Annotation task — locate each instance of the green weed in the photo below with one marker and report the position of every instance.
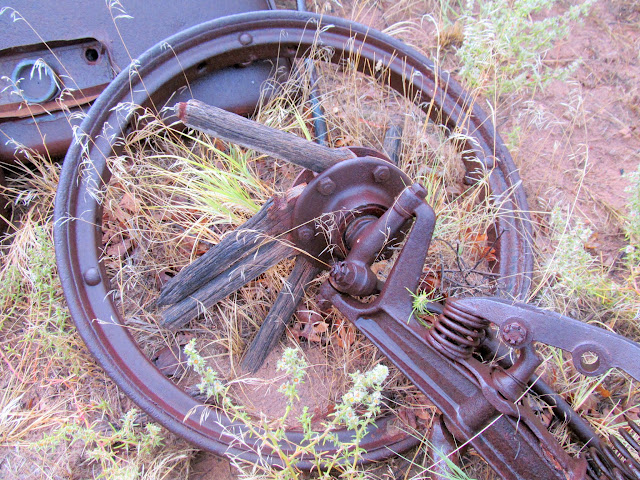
(358, 409)
(120, 451)
(506, 42)
(632, 223)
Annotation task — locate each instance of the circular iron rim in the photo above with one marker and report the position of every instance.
(285, 33)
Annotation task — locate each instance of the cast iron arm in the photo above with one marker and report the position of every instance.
(505, 434)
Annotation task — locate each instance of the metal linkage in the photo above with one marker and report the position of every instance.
(479, 403)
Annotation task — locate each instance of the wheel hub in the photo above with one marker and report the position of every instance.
(342, 201)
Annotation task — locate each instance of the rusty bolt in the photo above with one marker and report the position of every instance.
(305, 233)
(245, 39)
(326, 186)
(342, 275)
(381, 174)
(514, 334)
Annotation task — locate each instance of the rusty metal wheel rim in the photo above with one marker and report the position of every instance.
(160, 71)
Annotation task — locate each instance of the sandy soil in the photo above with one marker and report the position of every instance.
(575, 142)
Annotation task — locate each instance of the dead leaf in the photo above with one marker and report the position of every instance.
(603, 391)
(592, 242)
(477, 243)
(171, 360)
(408, 417)
(320, 415)
(119, 249)
(344, 334)
(344, 141)
(128, 203)
(310, 326)
(429, 283)
(193, 244)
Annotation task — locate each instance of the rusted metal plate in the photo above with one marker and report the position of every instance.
(62, 54)
(41, 73)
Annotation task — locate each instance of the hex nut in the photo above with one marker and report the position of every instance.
(381, 174)
(513, 334)
(326, 186)
(342, 275)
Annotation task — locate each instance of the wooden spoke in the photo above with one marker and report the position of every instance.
(240, 257)
(273, 220)
(239, 130)
(227, 282)
(281, 312)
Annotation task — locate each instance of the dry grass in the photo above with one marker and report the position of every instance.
(173, 195)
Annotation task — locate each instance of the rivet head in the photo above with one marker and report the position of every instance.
(245, 39)
(381, 174)
(326, 186)
(305, 233)
(92, 276)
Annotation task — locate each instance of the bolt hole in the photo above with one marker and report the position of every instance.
(91, 54)
(589, 361)
(202, 66)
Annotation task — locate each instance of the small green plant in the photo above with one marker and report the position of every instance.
(576, 282)
(504, 45)
(357, 410)
(294, 367)
(570, 261)
(632, 222)
(455, 472)
(366, 391)
(422, 301)
(119, 450)
(209, 384)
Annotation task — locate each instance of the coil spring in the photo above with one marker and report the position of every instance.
(456, 333)
(617, 463)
